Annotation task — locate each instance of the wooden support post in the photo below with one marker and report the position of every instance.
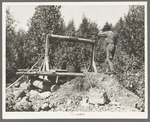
(92, 59)
(94, 66)
(70, 38)
(41, 67)
(46, 53)
(46, 60)
(57, 79)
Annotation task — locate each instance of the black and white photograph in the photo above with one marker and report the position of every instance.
(74, 60)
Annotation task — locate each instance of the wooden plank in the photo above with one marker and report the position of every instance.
(36, 70)
(51, 74)
(61, 70)
(25, 70)
(70, 38)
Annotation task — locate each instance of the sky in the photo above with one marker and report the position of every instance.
(96, 13)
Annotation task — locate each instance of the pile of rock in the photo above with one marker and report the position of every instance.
(98, 96)
(74, 95)
(26, 98)
(28, 101)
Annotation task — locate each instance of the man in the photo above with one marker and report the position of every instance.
(110, 46)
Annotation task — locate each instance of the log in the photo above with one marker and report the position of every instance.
(25, 70)
(60, 70)
(36, 70)
(70, 38)
(92, 59)
(51, 74)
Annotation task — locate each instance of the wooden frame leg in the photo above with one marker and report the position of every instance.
(57, 79)
(94, 66)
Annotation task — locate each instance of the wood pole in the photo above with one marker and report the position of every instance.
(46, 61)
(46, 53)
(94, 66)
(36, 70)
(57, 79)
(70, 38)
(23, 75)
(50, 74)
(92, 59)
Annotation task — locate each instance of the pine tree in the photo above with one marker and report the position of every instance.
(46, 20)
(11, 52)
(70, 29)
(130, 34)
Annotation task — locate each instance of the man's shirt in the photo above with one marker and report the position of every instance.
(110, 36)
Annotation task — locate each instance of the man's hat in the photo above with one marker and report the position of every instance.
(106, 27)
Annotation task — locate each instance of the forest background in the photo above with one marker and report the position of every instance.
(24, 48)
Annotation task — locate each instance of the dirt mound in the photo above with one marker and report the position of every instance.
(114, 90)
(106, 94)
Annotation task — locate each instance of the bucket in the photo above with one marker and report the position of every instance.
(78, 69)
(71, 69)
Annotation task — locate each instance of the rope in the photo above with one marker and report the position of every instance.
(23, 75)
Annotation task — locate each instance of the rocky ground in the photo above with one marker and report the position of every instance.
(77, 95)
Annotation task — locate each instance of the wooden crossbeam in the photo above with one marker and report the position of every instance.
(70, 38)
(51, 74)
(36, 70)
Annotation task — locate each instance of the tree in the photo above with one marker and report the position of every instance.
(11, 52)
(46, 19)
(110, 24)
(66, 52)
(21, 46)
(130, 34)
(87, 30)
(135, 31)
(70, 29)
(129, 56)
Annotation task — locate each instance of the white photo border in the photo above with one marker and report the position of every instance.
(67, 115)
